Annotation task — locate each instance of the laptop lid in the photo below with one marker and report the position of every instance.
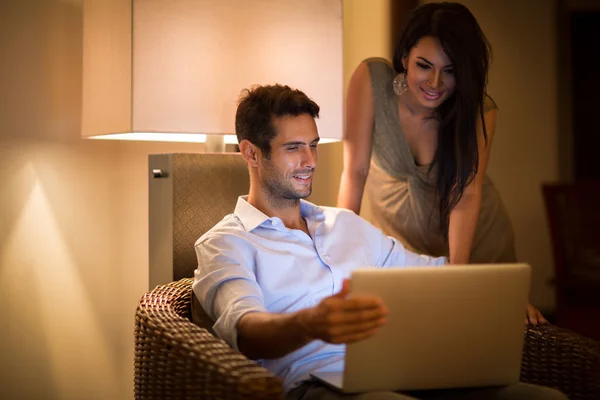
(455, 326)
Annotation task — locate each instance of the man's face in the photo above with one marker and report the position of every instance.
(288, 173)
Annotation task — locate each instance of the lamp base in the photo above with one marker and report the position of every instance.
(215, 144)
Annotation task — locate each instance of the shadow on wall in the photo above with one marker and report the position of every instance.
(56, 236)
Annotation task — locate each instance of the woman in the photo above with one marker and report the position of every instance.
(418, 139)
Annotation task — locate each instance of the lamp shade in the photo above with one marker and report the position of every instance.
(177, 67)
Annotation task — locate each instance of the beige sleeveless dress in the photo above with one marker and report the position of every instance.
(402, 194)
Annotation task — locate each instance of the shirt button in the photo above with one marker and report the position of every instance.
(273, 222)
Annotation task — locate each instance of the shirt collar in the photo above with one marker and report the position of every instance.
(251, 217)
(309, 210)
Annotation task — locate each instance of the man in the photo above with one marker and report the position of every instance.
(272, 274)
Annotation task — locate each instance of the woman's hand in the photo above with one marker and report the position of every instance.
(534, 316)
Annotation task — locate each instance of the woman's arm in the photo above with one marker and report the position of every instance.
(358, 137)
(464, 216)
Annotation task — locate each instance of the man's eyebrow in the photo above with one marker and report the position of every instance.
(299, 143)
(430, 63)
(293, 143)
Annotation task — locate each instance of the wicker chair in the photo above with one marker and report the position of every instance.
(176, 359)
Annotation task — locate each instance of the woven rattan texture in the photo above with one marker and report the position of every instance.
(559, 358)
(175, 359)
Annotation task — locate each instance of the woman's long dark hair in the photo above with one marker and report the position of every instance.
(457, 155)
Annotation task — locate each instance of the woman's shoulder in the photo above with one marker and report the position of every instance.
(488, 103)
(380, 61)
(379, 68)
(381, 71)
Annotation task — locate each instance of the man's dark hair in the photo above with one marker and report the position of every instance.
(260, 104)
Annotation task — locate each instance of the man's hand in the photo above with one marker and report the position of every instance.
(534, 316)
(338, 319)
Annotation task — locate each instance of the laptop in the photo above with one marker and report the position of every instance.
(449, 327)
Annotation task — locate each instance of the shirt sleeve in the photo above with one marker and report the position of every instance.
(225, 283)
(389, 252)
(399, 256)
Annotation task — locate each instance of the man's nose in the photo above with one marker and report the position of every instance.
(309, 158)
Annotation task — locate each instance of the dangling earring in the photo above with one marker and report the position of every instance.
(400, 84)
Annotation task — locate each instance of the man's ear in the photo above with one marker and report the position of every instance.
(250, 152)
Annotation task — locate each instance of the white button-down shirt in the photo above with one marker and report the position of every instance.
(249, 262)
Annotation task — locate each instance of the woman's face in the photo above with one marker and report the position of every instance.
(429, 73)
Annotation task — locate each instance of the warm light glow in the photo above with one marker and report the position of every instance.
(230, 139)
(163, 137)
(66, 325)
(328, 140)
(176, 137)
(181, 72)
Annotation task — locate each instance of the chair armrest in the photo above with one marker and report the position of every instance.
(559, 358)
(178, 360)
